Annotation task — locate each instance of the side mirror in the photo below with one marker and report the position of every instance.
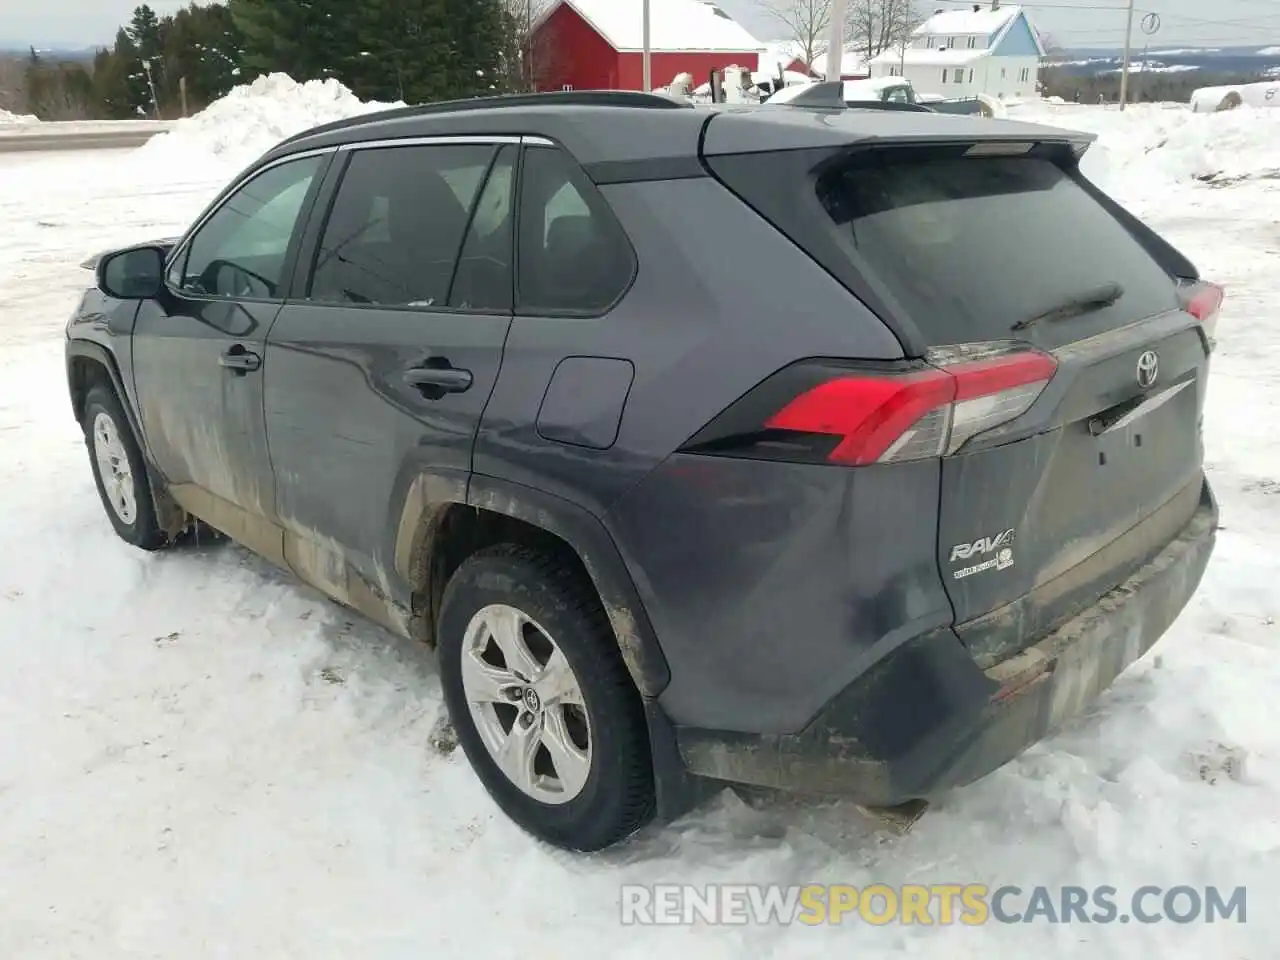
(133, 274)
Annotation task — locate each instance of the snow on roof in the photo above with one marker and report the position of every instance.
(673, 25)
(985, 21)
(917, 57)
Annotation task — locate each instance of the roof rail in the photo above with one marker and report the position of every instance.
(554, 98)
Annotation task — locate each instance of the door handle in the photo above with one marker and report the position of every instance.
(438, 380)
(240, 360)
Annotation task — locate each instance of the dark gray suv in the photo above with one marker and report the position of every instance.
(834, 450)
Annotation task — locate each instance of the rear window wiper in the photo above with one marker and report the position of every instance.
(1096, 299)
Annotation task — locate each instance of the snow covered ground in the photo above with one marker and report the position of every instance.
(200, 758)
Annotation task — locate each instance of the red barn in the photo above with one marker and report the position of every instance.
(784, 56)
(599, 44)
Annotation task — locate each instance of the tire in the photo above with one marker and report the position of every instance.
(575, 804)
(125, 489)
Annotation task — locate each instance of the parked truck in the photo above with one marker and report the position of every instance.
(898, 90)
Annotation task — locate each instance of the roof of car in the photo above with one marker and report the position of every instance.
(604, 127)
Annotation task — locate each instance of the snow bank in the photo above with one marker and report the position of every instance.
(1152, 146)
(7, 118)
(253, 118)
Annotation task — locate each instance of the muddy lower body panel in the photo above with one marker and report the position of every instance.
(928, 718)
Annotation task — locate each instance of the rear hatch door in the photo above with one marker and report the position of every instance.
(982, 247)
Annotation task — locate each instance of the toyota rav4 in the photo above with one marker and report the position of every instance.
(867, 515)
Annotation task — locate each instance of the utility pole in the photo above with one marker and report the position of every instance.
(151, 85)
(1124, 69)
(835, 40)
(648, 52)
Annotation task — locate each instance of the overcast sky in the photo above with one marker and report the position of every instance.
(1185, 22)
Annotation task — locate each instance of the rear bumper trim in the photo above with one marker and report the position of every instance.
(929, 719)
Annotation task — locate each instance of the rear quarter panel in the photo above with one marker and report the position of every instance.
(719, 302)
(749, 572)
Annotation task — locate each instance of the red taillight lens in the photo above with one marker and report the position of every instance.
(1203, 300)
(855, 417)
(872, 415)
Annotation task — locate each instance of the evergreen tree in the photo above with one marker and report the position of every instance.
(307, 39)
(482, 42)
(144, 31)
(202, 45)
(111, 86)
(137, 90)
(427, 50)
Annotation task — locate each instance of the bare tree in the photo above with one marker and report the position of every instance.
(875, 26)
(1053, 50)
(529, 57)
(806, 22)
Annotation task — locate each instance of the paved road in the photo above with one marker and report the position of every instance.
(89, 135)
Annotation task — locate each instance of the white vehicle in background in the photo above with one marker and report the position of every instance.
(898, 90)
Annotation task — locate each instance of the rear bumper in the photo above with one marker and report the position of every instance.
(928, 719)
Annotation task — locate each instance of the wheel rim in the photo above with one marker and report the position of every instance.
(526, 704)
(114, 468)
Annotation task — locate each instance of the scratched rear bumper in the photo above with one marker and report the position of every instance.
(928, 718)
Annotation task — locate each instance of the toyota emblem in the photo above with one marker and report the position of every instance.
(1148, 369)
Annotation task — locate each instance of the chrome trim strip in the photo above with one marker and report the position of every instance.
(1150, 405)
(486, 139)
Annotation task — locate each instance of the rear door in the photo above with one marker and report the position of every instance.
(379, 372)
(1072, 451)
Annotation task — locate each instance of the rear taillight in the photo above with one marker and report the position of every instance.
(1203, 300)
(816, 411)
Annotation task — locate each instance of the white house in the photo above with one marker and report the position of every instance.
(991, 48)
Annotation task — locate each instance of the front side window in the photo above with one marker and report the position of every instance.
(397, 225)
(240, 251)
(574, 256)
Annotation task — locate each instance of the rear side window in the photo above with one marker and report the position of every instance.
(574, 257)
(397, 225)
(970, 247)
(483, 278)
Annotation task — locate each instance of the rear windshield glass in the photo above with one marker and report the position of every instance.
(970, 247)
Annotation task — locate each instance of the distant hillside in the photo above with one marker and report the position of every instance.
(1251, 61)
(49, 53)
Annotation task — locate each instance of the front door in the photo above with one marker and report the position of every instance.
(381, 368)
(199, 351)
